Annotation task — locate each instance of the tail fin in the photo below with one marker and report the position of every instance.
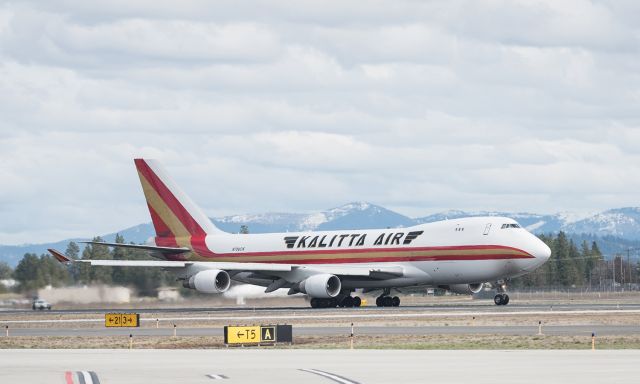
(173, 213)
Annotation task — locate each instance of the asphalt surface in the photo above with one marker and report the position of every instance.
(319, 366)
(41, 323)
(481, 306)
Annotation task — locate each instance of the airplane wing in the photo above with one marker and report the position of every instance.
(153, 248)
(258, 267)
(378, 273)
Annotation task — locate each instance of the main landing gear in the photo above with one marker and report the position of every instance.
(385, 300)
(343, 302)
(501, 297)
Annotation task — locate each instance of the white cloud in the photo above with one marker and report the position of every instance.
(300, 106)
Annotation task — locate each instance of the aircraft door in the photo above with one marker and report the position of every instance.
(487, 229)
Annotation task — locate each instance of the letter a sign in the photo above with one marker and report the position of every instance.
(268, 334)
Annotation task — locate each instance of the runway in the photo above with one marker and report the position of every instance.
(318, 366)
(480, 307)
(552, 330)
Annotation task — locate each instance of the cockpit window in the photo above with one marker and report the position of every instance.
(510, 226)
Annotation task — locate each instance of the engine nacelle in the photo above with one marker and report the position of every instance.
(321, 286)
(465, 289)
(209, 281)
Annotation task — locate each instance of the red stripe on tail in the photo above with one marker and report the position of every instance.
(162, 230)
(168, 198)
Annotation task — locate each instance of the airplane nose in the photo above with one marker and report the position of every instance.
(541, 251)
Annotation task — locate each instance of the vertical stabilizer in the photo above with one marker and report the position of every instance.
(173, 213)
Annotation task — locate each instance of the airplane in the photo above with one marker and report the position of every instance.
(459, 255)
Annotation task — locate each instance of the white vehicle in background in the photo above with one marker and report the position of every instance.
(40, 305)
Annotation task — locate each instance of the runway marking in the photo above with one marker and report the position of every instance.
(330, 376)
(83, 377)
(354, 316)
(216, 377)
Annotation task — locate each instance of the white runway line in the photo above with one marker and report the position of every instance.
(330, 376)
(216, 377)
(353, 316)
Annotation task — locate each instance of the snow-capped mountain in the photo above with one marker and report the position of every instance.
(349, 216)
(621, 223)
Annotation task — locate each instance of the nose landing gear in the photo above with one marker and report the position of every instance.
(501, 297)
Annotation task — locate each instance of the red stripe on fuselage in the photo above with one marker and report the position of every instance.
(169, 199)
(399, 258)
(412, 254)
(206, 252)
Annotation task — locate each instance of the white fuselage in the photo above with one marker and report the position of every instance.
(459, 251)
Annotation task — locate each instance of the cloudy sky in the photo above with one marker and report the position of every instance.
(299, 106)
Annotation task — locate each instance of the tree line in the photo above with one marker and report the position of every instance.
(581, 265)
(34, 272)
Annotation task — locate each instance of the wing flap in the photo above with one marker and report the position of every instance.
(378, 273)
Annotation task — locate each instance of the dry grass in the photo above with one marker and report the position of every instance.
(332, 342)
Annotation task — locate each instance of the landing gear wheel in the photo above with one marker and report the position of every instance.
(379, 301)
(314, 302)
(347, 302)
(357, 301)
(395, 301)
(387, 301)
(501, 299)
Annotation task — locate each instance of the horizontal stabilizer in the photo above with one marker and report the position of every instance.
(59, 256)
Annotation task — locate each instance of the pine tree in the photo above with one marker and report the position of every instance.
(559, 256)
(5, 271)
(119, 273)
(28, 273)
(575, 266)
(96, 274)
(73, 252)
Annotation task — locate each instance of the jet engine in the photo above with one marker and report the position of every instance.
(209, 281)
(465, 289)
(321, 286)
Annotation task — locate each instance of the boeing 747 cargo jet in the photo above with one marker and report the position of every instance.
(459, 255)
